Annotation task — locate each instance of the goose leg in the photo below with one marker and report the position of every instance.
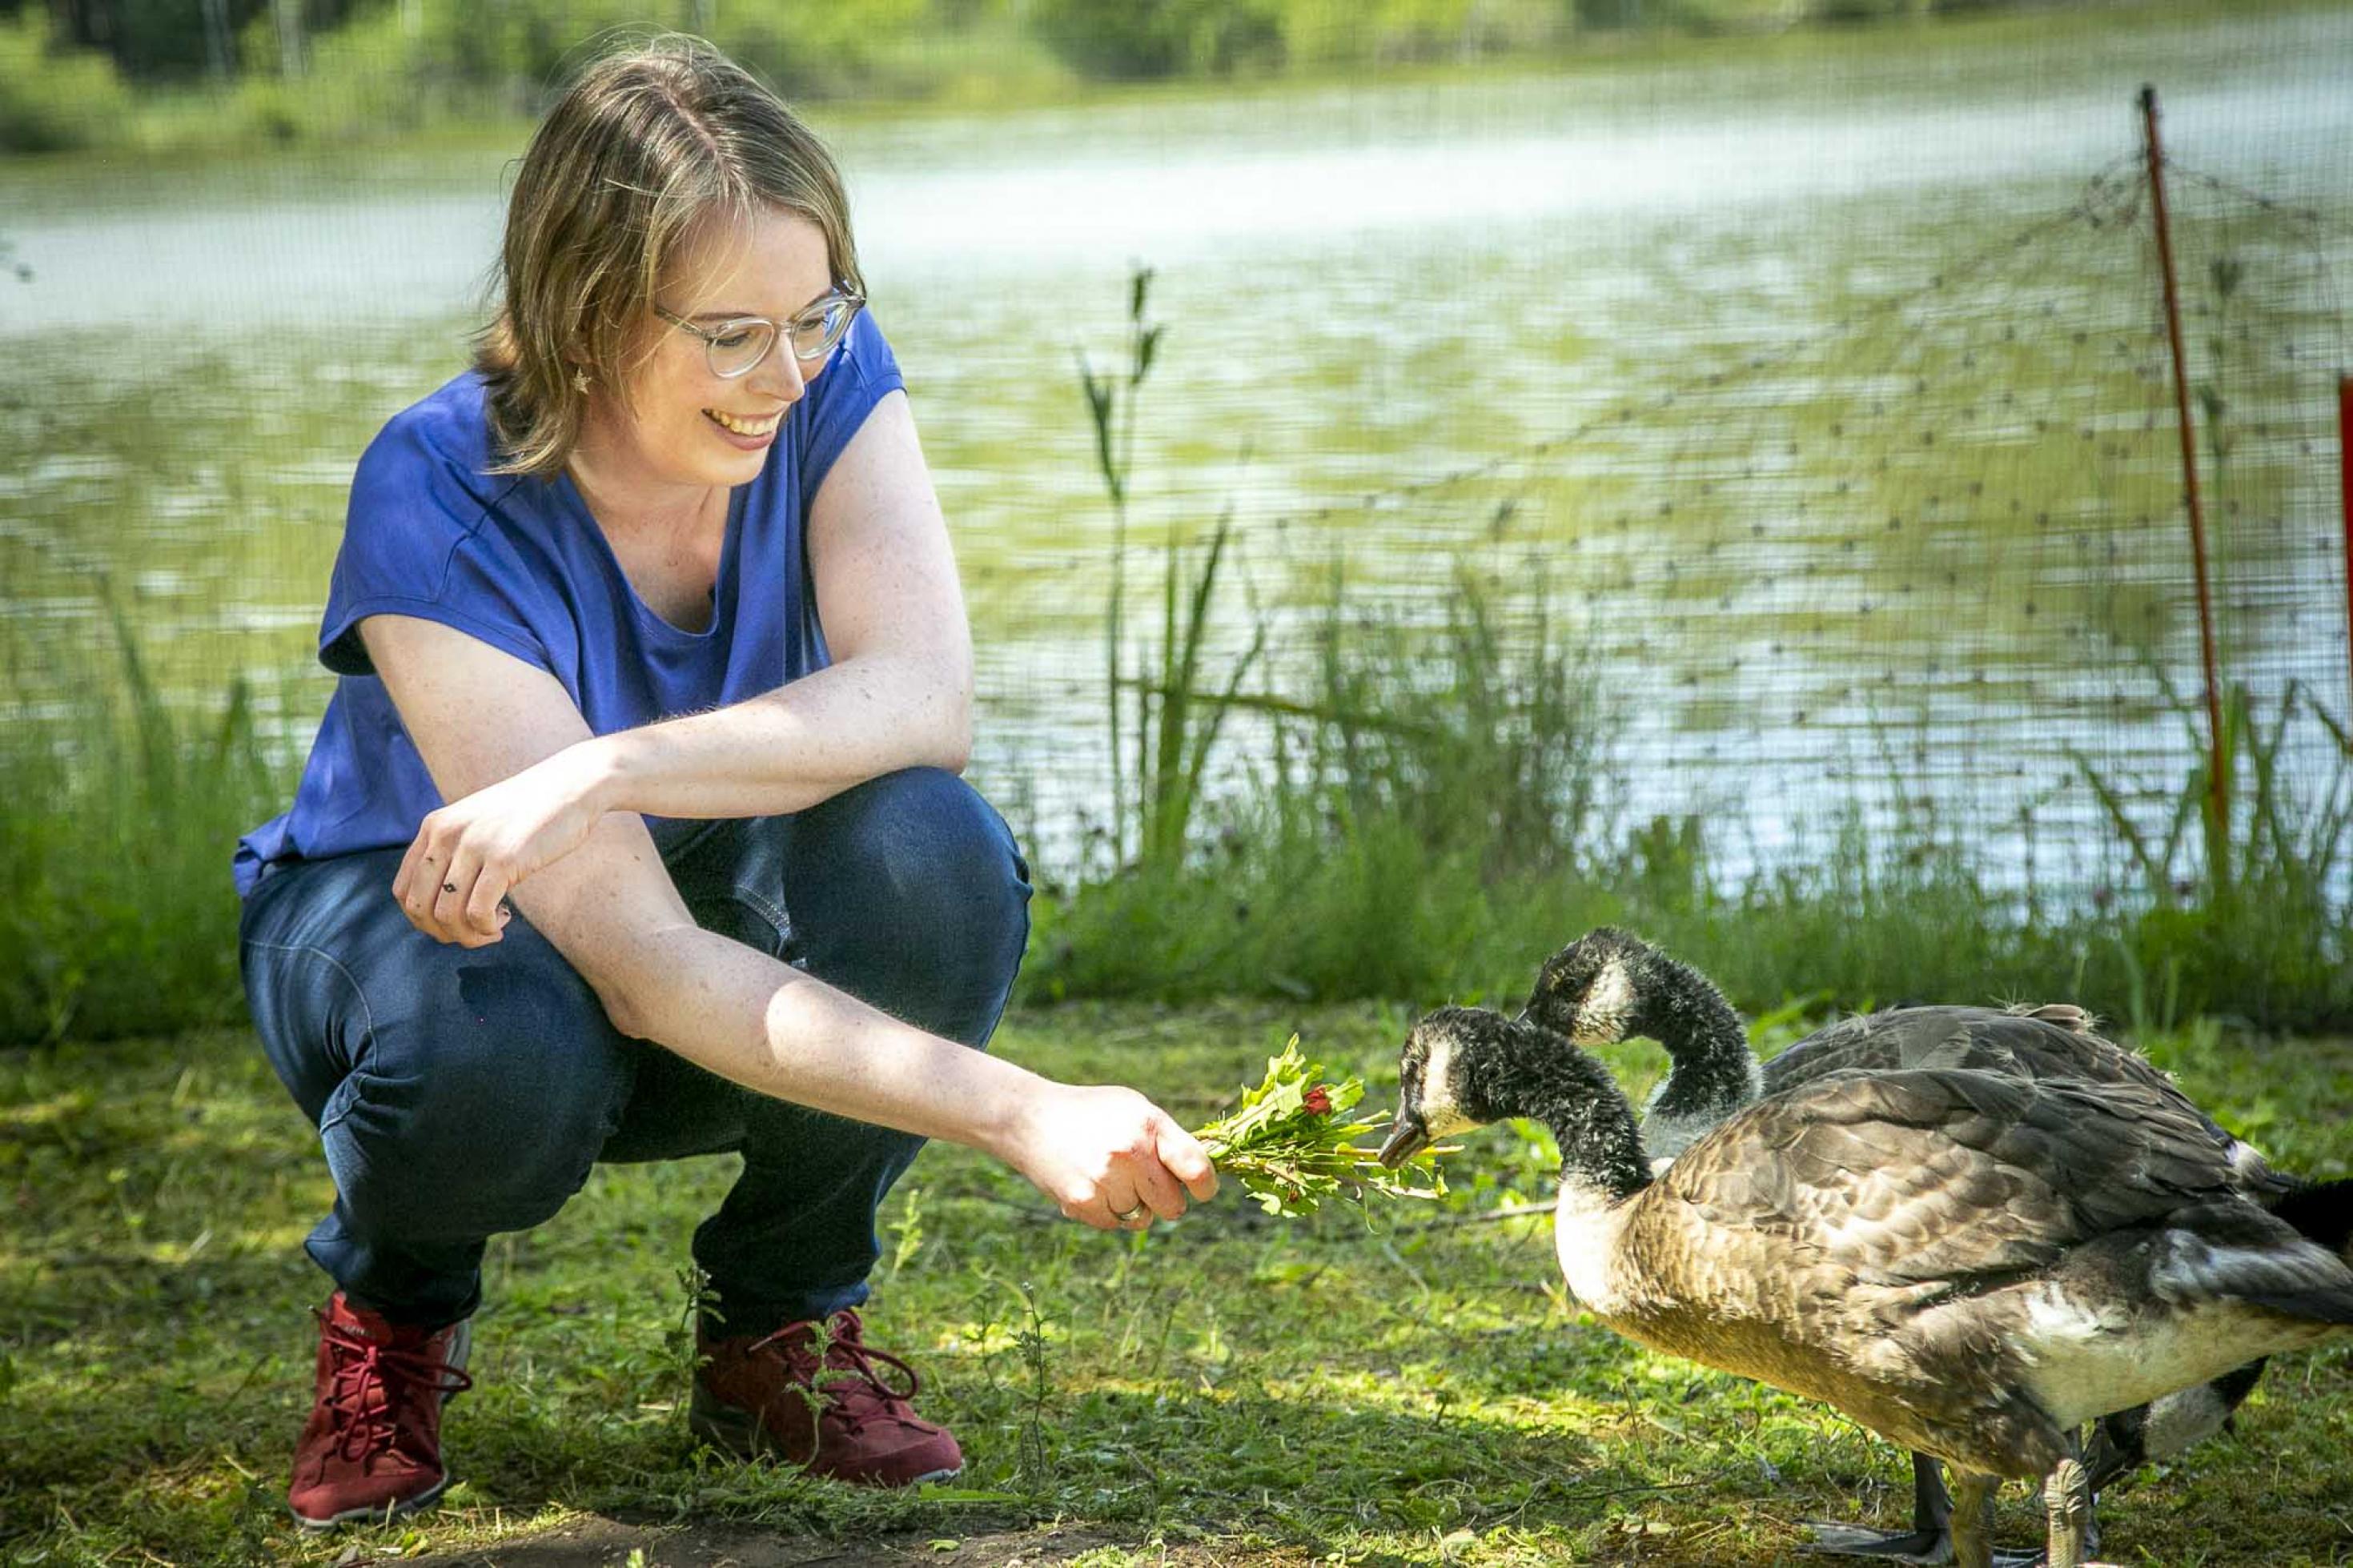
(1973, 1519)
(2067, 1500)
(1930, 1542)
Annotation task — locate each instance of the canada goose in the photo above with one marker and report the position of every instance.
(1609, 985)
(1969, 1264)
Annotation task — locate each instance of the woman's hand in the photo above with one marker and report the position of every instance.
(1109, 1157)
(469, 855)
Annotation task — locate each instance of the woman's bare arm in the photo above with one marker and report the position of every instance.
(483, 721)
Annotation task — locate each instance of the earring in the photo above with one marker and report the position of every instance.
(580, 381)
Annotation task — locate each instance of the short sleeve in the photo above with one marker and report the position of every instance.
(414, 544)
(862, 373)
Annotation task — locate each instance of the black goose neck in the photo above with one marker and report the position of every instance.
(1542, 1075)
(1681, 1008)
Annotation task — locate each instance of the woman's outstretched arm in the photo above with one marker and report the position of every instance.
(482, 720)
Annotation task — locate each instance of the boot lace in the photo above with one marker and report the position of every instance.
(846, 1380)
(371, 1386)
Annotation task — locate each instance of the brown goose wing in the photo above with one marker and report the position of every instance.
(2048, 1042)
(2045, 1044)
(1959, 1177)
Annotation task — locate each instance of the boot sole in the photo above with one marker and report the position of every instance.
(382, 1514)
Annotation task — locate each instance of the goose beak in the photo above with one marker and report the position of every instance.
(1408, 1134)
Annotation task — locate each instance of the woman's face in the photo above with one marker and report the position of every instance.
(670, 432)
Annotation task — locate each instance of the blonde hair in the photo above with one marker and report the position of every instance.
(646, 143)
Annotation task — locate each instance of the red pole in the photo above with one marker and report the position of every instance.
(2345, 485)
(2219, 784)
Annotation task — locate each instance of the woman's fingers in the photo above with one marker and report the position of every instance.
(1110, 1158)
(1162, 1164)
(1129, 1214)
(1184, 1158)
(449, 890)
(1155, 1189)
(481, 911)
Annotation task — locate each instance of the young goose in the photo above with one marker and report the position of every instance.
(1608, 986)
(1969, 1264)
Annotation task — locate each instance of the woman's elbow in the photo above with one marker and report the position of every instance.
(956, 738)
(625, 1009)
(952, 732)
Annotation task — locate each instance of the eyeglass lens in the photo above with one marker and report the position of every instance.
(744, 345)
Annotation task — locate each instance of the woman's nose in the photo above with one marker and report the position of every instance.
(782, 372)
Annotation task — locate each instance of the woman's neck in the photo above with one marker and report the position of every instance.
(625, 499)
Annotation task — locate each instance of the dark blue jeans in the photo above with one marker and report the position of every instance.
(460, 1092)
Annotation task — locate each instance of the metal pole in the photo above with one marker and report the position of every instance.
(2345, 486)
(2218, 781)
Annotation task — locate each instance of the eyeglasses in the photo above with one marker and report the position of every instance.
(735, 348)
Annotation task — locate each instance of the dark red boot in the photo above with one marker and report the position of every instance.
(372, 1448)
(823, 1406)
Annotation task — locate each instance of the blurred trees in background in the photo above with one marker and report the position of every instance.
(158, 73)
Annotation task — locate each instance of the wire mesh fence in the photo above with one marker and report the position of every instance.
(1821, 402)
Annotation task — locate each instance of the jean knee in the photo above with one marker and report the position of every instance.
(943, 861)
(482, 1111)
(908, 891)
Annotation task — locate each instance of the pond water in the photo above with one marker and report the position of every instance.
(1818, 386)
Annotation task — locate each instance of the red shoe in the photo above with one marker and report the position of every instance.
(372, 1448)
(771, 1396)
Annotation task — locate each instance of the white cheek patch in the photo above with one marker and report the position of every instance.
(1441, 1116)
(1608, 1005)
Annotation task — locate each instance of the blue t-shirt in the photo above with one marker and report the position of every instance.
(520, 563)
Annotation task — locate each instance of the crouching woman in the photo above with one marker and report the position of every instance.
(634, 828)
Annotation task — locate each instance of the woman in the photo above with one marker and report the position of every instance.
(659, 600)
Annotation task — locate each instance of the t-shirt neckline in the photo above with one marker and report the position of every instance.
(720, 598)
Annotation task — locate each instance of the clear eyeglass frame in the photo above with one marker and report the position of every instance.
(737, 347)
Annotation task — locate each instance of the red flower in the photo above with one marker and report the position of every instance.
(1317, 1100)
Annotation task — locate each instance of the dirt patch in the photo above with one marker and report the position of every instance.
(607, 1543)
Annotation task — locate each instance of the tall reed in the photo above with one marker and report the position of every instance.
(1423, 808)
(116, 910)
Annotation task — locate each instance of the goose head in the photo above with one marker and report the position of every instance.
(1465, 1067)
(1436, 1095)
(1609, 986)
(1597, 990)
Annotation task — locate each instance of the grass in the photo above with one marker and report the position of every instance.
(1237, 1389)
(114, 894)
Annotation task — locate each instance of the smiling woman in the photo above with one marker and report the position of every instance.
(633, 830)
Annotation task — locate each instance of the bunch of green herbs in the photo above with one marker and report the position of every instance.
(1293, 1144)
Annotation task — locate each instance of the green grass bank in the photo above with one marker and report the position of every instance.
(434, 72)
(1405, 1387)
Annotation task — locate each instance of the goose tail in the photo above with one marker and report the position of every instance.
(2322, 1213)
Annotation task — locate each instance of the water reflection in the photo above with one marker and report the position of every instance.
(1660, 325)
